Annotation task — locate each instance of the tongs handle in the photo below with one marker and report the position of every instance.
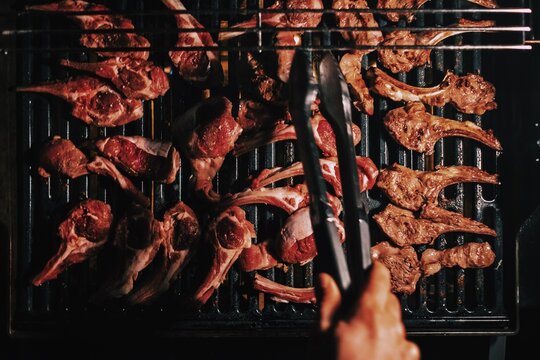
(303, 89)
(336, 107)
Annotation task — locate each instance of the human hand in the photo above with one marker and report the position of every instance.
(374, 329)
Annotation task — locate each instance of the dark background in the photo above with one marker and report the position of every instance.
(517, 82)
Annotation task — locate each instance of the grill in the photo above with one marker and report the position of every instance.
(454, 301)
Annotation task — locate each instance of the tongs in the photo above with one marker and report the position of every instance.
(335, 106)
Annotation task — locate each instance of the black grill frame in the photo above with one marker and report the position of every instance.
(43, 311)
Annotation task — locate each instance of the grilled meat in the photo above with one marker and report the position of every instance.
(324, 137)
(410, 189)
(357, 19)
(415, 4)
(194, 65)
(351, 67)
(404, 228)
(101, 22)
(142, 157)
(179, 246)
(229, 234)
(403, 265)
(135, 78)
(82, 234)
(61, 156)
(137, 239)
(207, 132)
(397, 60)
(418, 130)
(470, 255)
(282, 293)
(93, 101)
(256, 82)
(470, 94)
(367, 174)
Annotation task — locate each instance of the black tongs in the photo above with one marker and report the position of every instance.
(335, 106)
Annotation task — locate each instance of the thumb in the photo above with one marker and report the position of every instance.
(329, 299)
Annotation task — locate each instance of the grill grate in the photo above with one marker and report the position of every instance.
(453, 301)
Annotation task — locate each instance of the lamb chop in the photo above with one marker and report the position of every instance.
(410, 189)
(296, 242)
(367, 174)
(207, 132)
(258, 256)
(62, 157)
(357, 19)
(351, 67)
(403, 265)
(415, 4)
(470, 255)
(281, 20)
(259, 85)
(254, 116)
(82, 234)
(137, 238)
(94, 102)
(101, 22)
(403, 228)
(470, 94)
(324, 137)
(179, 246)
(418, 130)
(135, 78)
(397, 60)
(142, 157)
(229, 234)
(282, 293)
(199, 65)
(287, 198)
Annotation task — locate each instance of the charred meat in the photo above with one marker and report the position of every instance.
(404, 228)
(470, 255)
(410, 189)
(470, 94)
(416, 129)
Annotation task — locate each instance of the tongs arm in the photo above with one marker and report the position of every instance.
(331, 258)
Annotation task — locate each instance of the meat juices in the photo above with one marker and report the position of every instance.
(410, 189)
(142, 157)
(207, 132)
(470, 255)
(404, 228)
(194, 65)
(180, 244)
(99, 22)
(94, 101)
(403, 265)
(404, 60)
(82, 234)
(135, 78)
(416, 129)
(470, 94)
(229, 234)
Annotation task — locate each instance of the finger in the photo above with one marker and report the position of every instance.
(377, 288)
(393, 307)
(410, 351)
(329, 298)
